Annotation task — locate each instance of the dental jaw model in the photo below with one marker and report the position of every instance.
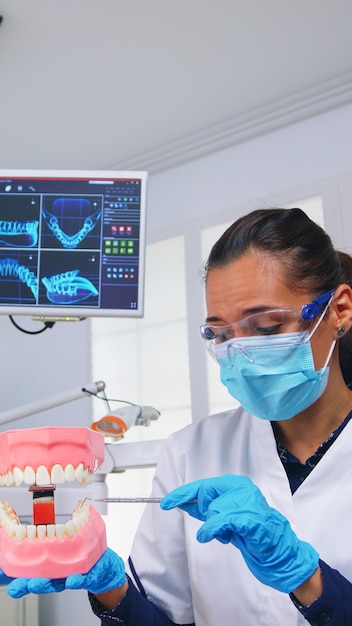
(43, 458)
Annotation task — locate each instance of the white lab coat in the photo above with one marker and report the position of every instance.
(210, 584)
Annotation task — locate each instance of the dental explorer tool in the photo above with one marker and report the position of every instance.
(127, 500)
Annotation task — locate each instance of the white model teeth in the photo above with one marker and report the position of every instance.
(69, 473)
(42, 476)
(69, 529)
(50, 531)
(18, 476)
(60, 531)
(29, 475)
(80, 516)
(20, 532)
(9, 521)
(41, 532)
(57, 475)
(31, 532)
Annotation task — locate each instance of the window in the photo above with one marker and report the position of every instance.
(145, 361)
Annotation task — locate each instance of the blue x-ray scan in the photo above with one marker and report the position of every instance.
(72, 243)
(71, 220)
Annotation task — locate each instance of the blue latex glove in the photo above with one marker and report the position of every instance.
(4, 580)
(234, 510)
(107, 573)
(19, 587)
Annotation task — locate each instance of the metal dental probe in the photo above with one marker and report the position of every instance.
(128, 500)
(137, 500)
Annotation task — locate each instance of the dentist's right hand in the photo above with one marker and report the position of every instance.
(235, 511)
(107, 574)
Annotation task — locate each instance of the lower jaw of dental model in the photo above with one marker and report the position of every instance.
(44, 548)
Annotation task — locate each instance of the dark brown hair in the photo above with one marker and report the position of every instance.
(304, 249)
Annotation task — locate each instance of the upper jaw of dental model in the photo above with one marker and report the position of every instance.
(42, 456)
(43, 475)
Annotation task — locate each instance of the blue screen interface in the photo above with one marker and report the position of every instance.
(71, 243)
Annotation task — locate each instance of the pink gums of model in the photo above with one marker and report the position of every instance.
(36, 456)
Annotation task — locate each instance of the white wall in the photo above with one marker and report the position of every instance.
(35, 367)
(259, 171)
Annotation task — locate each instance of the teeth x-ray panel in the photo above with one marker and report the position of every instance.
(72, 244)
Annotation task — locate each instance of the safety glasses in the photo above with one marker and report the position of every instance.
(265, 323)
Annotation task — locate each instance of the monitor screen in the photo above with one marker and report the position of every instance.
(72, 243)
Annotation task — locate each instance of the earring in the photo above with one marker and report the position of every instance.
(340, 331)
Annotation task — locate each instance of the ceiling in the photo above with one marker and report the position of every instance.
(146, 84)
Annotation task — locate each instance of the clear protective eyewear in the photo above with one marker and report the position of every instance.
(264, 324)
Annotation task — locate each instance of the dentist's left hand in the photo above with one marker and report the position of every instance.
(19, 587)
(4, 580)
(106, 574)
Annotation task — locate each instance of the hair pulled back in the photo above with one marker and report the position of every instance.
(304, 249)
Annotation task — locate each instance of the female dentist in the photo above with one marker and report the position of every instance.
(254, 525)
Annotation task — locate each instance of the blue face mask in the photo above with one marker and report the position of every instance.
(273, 377)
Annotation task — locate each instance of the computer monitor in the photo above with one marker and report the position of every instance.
(72, 243)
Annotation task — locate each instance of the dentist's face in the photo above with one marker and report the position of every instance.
(254, 283)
